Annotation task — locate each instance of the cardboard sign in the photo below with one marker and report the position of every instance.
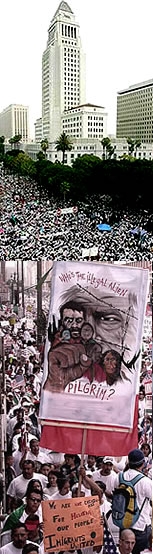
(72, 523)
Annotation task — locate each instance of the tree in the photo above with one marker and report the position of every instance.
(64, 188)
(110, 149)
(63, 144)
(15, 140)
(106, 143)
(137, 145)
(131, 145)
(44, 146)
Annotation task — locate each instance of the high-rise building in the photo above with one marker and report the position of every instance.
(135, 112)
(38, 130)
(63, 71)
(14, 120)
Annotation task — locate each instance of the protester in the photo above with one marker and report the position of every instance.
(127, 541)
(35, 230)
(143, 490)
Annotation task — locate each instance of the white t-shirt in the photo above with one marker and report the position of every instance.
(17, 488)
(42, 457)
(17, 455)
(48, 492)
(143, 491)
(58, 496)
(107, 479)
(11, 549)
(15, 443)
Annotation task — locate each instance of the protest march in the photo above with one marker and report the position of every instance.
(32, 227)
(76, 413)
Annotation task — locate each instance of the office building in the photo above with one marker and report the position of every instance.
(14, 120)
(38, 130)
(63, 71)
(135, 112)
(87, 121)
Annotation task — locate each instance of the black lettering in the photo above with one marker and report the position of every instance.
(51, 545)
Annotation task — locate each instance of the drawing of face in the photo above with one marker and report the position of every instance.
(72, 321)
(110, 363)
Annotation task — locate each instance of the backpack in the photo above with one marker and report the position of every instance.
(125, 511)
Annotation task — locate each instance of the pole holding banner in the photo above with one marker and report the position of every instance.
(82, 458)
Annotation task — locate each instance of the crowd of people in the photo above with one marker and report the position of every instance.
(33, 473)
(30, 226)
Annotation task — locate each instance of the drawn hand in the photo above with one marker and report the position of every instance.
(66, 363)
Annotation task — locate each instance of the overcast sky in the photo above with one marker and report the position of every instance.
(116, 36)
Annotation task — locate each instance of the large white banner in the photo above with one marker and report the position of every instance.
(93, 353)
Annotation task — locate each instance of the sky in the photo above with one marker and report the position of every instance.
(116, 37)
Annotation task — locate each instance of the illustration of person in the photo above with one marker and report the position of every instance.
(93, 339)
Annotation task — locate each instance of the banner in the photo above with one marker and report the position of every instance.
(72, 523)
(92, 356)
(64, 211)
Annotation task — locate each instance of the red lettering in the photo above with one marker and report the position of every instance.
(79, 389)
(93, 387)
(70, 387)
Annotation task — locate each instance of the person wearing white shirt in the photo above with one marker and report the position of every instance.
(18, 486)
(36, 454)
(19, 539)
(63, 492)
(106, 474)
(143, 490)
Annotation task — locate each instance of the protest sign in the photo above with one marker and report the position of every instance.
(64, 211)
(91, 369)
(92, 356)
(72, 524)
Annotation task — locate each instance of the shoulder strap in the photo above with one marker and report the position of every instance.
(133, 481)
(137, 478)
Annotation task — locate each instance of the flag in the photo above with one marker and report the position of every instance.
(109, 544)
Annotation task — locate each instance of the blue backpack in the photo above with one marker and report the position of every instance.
(125, 511)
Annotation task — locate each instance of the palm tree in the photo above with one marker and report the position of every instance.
(131, 145)
(17, 139)
(44, 145)
(63, 144)
(64, 188)
(137, 145)
(106, 143)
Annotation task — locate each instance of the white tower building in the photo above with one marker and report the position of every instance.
(63, 71)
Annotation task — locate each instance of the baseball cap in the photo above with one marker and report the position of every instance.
(108, 460)
(136, 457)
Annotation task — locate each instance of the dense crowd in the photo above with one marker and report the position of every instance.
(30, 227)
(33, 473)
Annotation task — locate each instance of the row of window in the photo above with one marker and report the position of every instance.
(68, 31)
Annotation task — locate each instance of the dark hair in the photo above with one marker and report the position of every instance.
(29, 548)
(33, 440)
(18, 525)
(101, 485)
(51, 472)
(28, 462)
(146, 444)
(117, 357)
(34, 488)
(61, 482)
(72, 305)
